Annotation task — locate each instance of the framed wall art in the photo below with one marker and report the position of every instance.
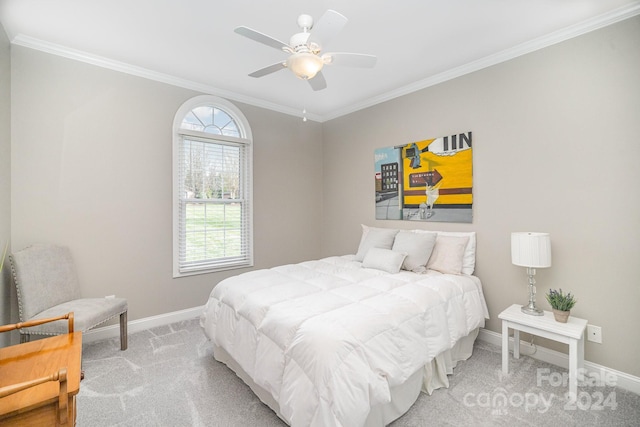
(428, 180)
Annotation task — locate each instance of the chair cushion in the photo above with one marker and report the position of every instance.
(87, 313)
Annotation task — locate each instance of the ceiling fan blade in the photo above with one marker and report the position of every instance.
(318, 82)
(361, 60)
(268, 70)
(261, 38)
(327, 27)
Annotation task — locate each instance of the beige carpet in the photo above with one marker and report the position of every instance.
(168, 377)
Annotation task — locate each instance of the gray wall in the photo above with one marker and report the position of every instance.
(556, 149)
(5, 178)
(91, 169)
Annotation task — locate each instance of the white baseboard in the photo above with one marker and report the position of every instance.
(113, 331)
(623, 380)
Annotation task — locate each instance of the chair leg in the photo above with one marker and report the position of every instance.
(123, 331)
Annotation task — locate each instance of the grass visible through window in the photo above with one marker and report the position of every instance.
(213, 230)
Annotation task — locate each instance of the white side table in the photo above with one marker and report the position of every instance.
(571, 333)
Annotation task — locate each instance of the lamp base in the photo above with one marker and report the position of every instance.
(531, 307)
(532, 310)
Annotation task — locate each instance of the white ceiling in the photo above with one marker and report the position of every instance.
(191, 43)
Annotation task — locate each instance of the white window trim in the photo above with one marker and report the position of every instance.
(246, 137)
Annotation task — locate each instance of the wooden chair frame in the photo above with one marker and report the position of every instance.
(30, 323)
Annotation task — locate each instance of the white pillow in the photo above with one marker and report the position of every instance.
(417, 246)
(375, 238)
(448, 254)
(469, 257)
(384, 259)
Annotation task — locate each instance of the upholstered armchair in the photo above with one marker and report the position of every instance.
(47, 286)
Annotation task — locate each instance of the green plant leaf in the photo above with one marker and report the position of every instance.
(559, 300)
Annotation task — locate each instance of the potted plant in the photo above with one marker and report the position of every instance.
(561, 304)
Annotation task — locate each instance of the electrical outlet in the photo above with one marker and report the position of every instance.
(594, 334)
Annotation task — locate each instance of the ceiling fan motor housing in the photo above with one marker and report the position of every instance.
(299, 42)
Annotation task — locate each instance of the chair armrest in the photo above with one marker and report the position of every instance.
(30, 323)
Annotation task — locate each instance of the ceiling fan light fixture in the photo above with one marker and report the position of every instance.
(305, 65)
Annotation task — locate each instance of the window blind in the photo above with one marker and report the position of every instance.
(214, 211)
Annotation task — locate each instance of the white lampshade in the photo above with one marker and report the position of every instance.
(531, 249)
(305, 65)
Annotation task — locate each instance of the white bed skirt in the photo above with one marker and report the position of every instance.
(429, 378)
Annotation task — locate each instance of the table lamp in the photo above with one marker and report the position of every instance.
(531, 250)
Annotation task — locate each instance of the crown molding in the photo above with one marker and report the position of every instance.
(616, 15)
(81, 56)
(556, 37)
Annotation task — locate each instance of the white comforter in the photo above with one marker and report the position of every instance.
(328, 338)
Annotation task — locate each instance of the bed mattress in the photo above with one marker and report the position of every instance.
(329, 339)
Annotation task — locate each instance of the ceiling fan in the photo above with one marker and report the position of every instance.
(305, 48)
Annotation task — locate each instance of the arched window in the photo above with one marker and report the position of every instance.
(212, 197)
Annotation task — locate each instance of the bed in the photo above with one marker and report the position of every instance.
(351, 340)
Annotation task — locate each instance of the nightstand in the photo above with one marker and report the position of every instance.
(545, 326)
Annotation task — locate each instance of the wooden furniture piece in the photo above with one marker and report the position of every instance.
(546, 326)
(39, 380)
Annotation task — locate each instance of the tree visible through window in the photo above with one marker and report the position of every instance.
(212, 188)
